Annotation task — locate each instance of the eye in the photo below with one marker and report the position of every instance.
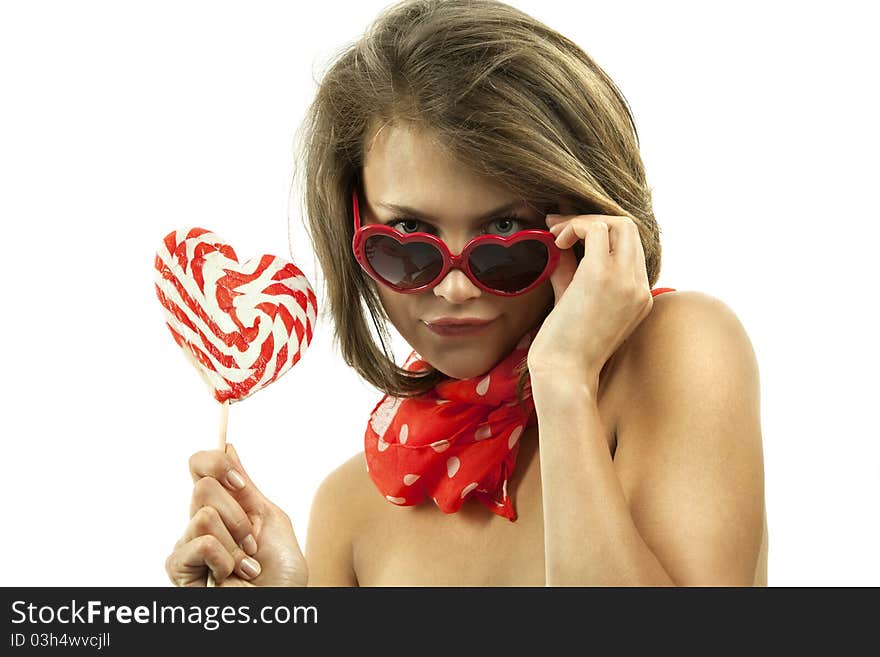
(415, 226)
(509, 225)
(504, 225)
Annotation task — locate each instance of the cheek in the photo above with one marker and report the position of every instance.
(387, 299)
(537, 303)
(397, 306)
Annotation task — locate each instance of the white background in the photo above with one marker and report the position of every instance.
(122, 121)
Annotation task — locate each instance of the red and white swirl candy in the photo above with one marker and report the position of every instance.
(242, 325)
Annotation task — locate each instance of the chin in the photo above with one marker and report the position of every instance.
(463, 358)
(467, 370)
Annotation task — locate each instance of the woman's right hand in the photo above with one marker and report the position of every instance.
(234, 530)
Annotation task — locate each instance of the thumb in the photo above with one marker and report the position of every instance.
(562, 276)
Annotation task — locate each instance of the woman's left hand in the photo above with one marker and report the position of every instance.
(598, 303)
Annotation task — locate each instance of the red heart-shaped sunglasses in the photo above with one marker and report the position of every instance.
(415, 262)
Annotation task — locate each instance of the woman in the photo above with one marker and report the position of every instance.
(584, 429)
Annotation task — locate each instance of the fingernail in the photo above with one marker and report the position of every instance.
(249, 545)
(235, 480)
(250, 567)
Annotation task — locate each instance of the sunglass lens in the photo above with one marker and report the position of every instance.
(509, 269)
(405, 266)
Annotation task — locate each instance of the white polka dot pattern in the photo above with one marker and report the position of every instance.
(514, 436)
(483, 433)
(384, 413)
(467, 489)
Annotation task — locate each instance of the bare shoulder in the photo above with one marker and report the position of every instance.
(342, 494)
(350, 476)
(337, 513)
(689, 454)
(689, 308)
(690, 328)
(691, 348)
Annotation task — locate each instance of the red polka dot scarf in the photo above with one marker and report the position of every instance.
(456, 441)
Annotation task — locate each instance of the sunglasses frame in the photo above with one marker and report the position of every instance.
(450, 261)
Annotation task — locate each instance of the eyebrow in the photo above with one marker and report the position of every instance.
(402, 209)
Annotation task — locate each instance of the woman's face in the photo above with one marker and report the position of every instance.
(404, 167)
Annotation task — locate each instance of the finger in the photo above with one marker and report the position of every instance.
(186, 566)
(599, 233)
(207, 522)
(627, 243)
(640, 249)
(594, 233)
(555, 219)
(236, 462)
(562, 276)
(250, 497)
(226, 468)
(629, 254)
(209, 492)
(556, 228)
(215, 463)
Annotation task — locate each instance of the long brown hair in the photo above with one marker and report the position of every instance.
(513, 99)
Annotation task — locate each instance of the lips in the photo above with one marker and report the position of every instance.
(452, 327)
(464, 321)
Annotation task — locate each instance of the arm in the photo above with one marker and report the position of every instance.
(682, 501)
(329, 539)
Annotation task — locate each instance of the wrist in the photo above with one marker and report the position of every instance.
(563, 386)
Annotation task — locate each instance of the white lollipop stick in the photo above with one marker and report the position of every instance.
(224, 419)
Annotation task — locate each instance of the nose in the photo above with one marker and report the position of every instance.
(456, 287)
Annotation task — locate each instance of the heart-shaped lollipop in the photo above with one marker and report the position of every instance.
(241, 325)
